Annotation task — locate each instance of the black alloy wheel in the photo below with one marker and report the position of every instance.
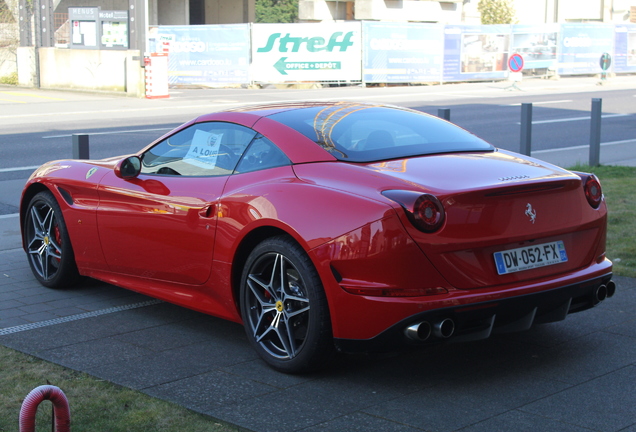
(47, 242)
(284, 308)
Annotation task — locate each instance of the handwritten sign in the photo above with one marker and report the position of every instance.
(204, 149)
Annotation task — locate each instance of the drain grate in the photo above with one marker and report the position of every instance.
(32, 326)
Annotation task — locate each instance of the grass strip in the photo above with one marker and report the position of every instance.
(619, 188)
(95, 405)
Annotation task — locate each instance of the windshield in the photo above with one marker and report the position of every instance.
(367, 133)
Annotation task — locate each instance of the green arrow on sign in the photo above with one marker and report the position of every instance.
(282, 66)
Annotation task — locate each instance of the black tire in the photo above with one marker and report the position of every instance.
(48, 245)
(284, 308)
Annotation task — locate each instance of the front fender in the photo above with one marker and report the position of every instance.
(74, 185)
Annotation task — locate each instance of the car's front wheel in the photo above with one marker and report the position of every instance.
(284, 308)
(47, 242)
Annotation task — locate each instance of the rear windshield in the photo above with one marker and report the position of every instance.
(368, 133)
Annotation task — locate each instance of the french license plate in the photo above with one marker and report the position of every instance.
(530, 257)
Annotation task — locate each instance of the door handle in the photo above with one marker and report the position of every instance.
(207, 212)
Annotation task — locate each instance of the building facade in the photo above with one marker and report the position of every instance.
(465, 11)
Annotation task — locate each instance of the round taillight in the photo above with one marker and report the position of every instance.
(593, 191)
(428, 213)
(424, 211)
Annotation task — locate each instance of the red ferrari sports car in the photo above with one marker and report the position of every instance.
(327, 227)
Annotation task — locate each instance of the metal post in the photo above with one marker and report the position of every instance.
(37, 32)
(80, 146)
(25, 15)
(444, 113)
(138, 17)
(43, 17)
(526, 129)
(595, 132)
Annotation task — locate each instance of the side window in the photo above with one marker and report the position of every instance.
(203, 149)
(262, 154)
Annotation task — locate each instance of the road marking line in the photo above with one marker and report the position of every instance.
(8, 251)
(36, 325)
(203, 107)
(76, 113)
(540, 103)
(12, 100)
(32, 95)
(19, 168)
(109, 133)
(11, 215)
(576, 119)
(606, 144)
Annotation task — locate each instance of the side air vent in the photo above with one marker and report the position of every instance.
(66, 195)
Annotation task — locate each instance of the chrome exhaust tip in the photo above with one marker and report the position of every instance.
(611, 289)
(419, 332)
(600, 294)
(444, 329)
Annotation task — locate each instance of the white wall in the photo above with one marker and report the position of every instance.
(398, 10)
(561, 11)
(379, 10)
(94, 70)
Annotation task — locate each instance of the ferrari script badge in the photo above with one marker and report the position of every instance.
(531, 213)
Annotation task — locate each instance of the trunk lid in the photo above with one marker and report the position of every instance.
(494, 202)
(500, 202)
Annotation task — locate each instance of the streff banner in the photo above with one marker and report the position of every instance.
(205, 54)
(402, 52)
(625, 48)
(476, 52)
(306, 52)
(218, 55)
(581, 47)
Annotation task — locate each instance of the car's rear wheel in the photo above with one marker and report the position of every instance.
(48, 245)
(284, 308)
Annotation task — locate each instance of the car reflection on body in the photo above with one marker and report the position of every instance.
(326, 227)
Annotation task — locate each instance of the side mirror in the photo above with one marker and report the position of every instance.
(128, 168)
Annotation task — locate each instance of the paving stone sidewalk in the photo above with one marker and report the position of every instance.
(577, 375)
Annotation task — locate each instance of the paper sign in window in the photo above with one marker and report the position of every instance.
(204, 150)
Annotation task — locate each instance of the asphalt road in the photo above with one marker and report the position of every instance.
(36, 125)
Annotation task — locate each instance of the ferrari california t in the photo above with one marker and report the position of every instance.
(326, 227)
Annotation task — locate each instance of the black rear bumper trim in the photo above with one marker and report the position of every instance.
(479, 320)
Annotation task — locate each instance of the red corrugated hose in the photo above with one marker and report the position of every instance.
(61, 411)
